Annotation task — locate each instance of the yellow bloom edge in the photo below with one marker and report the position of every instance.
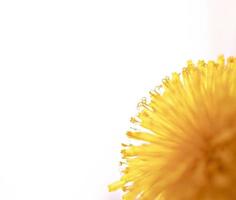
(188, 137)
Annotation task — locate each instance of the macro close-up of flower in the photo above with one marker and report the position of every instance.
(118, 100)
(183, 139)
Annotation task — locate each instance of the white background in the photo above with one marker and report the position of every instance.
(71, 74)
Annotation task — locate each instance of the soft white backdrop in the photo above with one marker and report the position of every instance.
(71, 74)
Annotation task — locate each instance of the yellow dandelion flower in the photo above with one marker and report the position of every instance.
(187, 138)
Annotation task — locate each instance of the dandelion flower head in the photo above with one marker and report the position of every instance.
(187, 137)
